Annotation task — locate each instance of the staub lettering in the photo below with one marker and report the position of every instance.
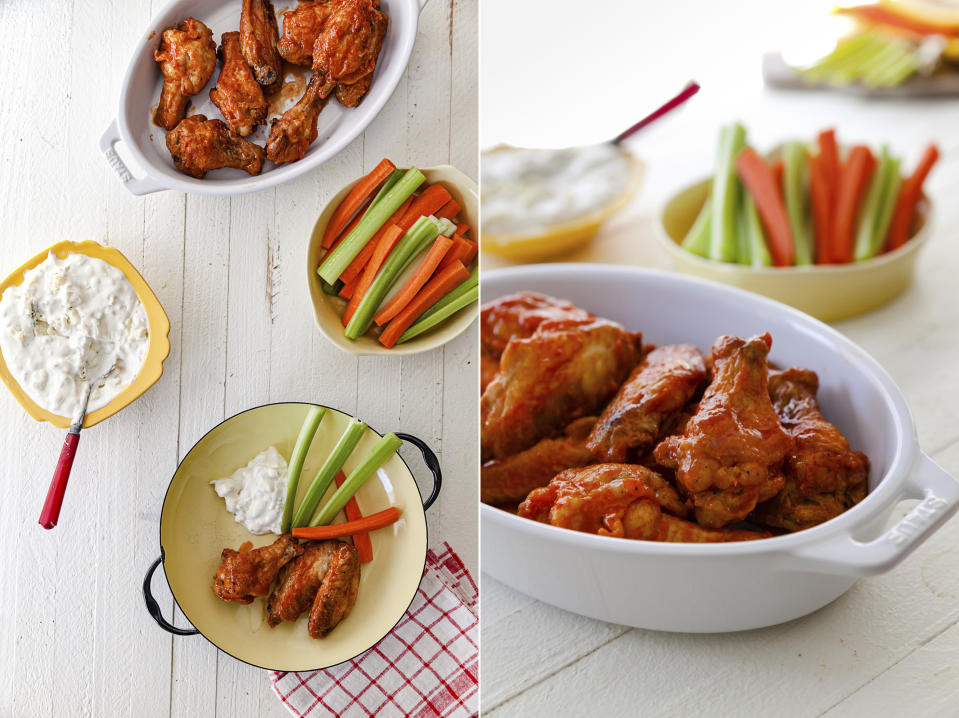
(917, 520)
(117, 164)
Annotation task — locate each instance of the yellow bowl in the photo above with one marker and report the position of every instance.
(328, 309)
(195, 527)
(559, 239)
(827, 292)
(157, 350)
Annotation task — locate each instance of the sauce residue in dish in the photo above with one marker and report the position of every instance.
(255, 493)
(525, 190)
(64, 325)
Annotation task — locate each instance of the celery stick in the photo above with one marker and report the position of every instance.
(323, 479)
(455, 294)
(339, 259)
(697, 238)
(743, 253)
(869, 212)
(725, 194)
(819, 69)
(758, 249)
(448, 310)
(310, 424)
(850, 70)
(390, 183)
(797, 204)
(889, 197)
(425, 230)
(897, 58)
(383, 450)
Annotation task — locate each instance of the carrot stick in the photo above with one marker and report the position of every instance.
(760, 180)
(349, 289)
(429, 202)
(448, 210)
(366, 524)
(361, 540)
(362, 191)
(445, 281)
(463, 251)
(352, 224)
(420, 277)
(852, 185)
(779, 172)
(908, 199)
(383, 248)
(462, 228)
(821, 207)
(829, 151)
(355, 268)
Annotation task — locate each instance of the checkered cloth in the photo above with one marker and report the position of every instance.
(427, 666)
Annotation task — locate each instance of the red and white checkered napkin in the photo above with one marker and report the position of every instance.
(427, 666)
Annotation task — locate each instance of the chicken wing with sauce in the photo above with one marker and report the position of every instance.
(349, 44)
(301, 26)
(259, 36)
(620, 500)
(237, 94)
(292, 134)
(248, 573)
(508, 481)
(300, 582)
(657, 390)
(824, 476)
(199, 145)
(567, 369)
(187, 58)
(731, 454)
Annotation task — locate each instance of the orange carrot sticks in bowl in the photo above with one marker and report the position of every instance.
(852, 185)
(760, 181)
(363, 190)
(909, 194)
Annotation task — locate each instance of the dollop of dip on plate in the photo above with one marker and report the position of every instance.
(255, 493)
(524, 190)
(65, 324)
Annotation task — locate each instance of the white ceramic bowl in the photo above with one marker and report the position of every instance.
(140, 93)
(734, 586)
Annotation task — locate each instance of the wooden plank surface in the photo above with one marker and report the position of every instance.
(230, 272)
(887, 647)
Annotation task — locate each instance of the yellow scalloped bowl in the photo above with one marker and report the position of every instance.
(548, 242)
(157, 350)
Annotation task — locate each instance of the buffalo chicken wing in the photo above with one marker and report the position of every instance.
(301, 26)
(237, 94)
(199, 145)
(248, 573)
(349, 43)
(259, 36)
(187, 58)
(292, 134)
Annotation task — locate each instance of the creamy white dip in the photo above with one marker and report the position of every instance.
(525, 190)
(255, 493)
(65, 324)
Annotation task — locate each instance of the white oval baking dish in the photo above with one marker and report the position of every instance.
(140, 93)
(734, 586)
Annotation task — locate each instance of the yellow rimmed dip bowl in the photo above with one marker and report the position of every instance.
(157, 350)
(552, 241)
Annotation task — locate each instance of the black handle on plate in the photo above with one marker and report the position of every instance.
(432, 463)
(153, 608)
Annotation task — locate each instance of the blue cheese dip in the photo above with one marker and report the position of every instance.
(524, 190)
(255, 493)
(65, 324)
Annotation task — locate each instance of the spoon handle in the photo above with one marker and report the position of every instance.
(692, 87)
(58, 486)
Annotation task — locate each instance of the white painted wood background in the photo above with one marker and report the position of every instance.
(75, 638)
(890, 646)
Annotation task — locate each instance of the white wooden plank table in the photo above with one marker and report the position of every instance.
(75, 638)
(890, 646)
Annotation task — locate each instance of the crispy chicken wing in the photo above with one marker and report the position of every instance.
(301, 26)
(824, 476)
(567, 369)
(351, 94)
(659, 387)
(292, 134)
(620, 500)
(731, 454)
(337, 593)
(187, 57)
(237, 94)
(248, 573)
(509, 480)
(349, 43)
(259, 36)
(199, 145)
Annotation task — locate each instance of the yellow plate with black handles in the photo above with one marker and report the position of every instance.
(195, 527)
(157, 350)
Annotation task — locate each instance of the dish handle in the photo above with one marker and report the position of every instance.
(938, 495)
(153, 608)
(432, 463)
(146, 185)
